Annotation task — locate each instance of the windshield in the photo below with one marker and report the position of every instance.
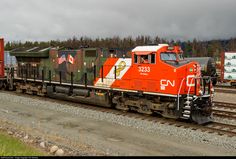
(180, 56)
(165, 56)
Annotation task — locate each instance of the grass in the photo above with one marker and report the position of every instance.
(10, 146)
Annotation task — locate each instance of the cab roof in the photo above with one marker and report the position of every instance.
(149, 48)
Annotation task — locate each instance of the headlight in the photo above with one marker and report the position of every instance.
(212, 89)
(200, 92)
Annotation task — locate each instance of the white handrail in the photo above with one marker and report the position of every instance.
(191, 86)
(179, 92)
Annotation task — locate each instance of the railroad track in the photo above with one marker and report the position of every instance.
(224, 110)
(222, 128)
(214, 127)
(225, 86)
(225, 89)
(225, 105)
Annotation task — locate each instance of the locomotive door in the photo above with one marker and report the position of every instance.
(90, 60)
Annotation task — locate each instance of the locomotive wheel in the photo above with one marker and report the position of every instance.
(121, 106)
(145, 110)
(18, 90)
(5, 86)
(1, 85)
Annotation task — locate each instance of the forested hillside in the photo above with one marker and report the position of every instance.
(211, 48)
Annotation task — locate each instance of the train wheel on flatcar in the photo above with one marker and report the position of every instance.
(233, 84)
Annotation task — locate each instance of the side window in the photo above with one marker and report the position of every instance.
(144, 59)
(153, 58)
(135, 58)
(180, 56)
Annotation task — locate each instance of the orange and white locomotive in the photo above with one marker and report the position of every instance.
(156, 79)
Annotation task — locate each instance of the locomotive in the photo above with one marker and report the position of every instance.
(155, 79)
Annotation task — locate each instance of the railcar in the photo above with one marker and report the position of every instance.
(208, 67)
(2, 68)
(155, 79)
(228, 67)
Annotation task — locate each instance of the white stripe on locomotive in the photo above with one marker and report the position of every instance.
(110, 78)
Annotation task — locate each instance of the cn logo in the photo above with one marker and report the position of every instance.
(190, 81)
(164, 83)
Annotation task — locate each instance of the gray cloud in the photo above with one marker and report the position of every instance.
(171, 19)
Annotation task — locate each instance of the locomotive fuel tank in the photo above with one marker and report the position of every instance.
(81, 92)
(60, 89)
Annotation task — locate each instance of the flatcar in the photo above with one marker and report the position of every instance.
(228, 67)
(155, 79)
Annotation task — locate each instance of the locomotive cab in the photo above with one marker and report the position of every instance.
(162, 70)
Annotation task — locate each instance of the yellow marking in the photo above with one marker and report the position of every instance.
(100, 94)
(120, 68)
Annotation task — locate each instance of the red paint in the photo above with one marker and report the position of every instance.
(156, 78)
(1, 58)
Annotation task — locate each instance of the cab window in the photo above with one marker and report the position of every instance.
(180, 56)
(168, 56)
(153, 58)
(145, 59)
(135, 58)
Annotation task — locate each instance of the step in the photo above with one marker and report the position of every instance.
(189, 98)
(186, 115)
(187, 112)
(187, 107)
(187, 102)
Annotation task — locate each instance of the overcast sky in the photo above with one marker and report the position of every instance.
(171, 19)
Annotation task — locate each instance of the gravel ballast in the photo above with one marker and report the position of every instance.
(184, 135)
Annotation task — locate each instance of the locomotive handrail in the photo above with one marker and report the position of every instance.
(190, 86)
(179, 92)
(204, 79)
